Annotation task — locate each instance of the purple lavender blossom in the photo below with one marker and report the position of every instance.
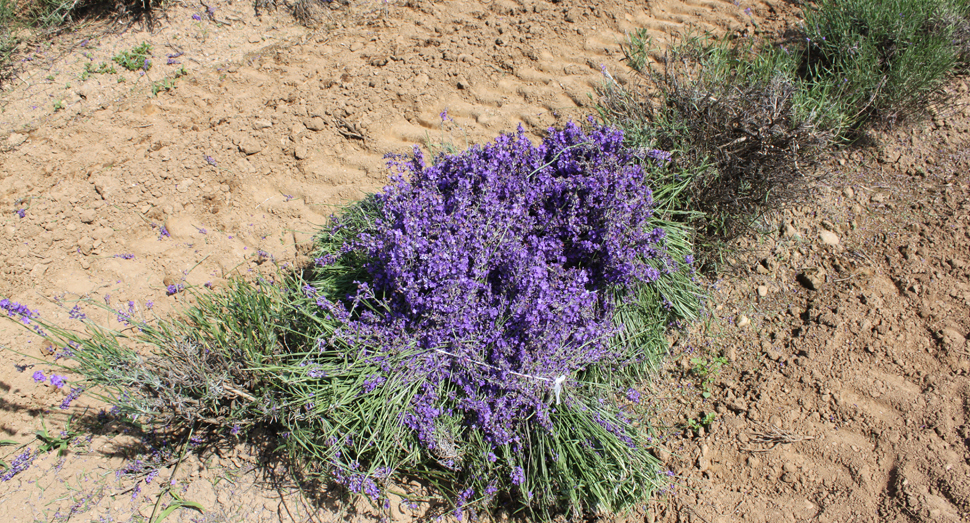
(328, 259)
(39, 377)
(512, 245)
(18, 465)
(633, 395)
(126, 256)
(211, 161)
(175, 288)
(661, 157)
(68, 351)
(197, 17)
(58, 381)
(74, 394)
(15, 309)
(22, 212)
(517, 476)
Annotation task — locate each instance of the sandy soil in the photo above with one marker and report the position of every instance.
(846, 402)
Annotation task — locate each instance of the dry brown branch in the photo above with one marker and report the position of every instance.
(774, 436)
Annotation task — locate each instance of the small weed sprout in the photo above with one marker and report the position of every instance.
(704, 422)
(707, 369)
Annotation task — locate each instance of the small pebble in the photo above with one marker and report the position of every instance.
(828, 237)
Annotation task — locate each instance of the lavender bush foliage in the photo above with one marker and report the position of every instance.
(484, 296)
(494, 262)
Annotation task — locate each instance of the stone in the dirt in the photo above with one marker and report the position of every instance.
(88, 215)
(250, 146)
(743, 320)
(703, 463)
(315, 124)
(791, 231)
(762, 291)
(181, 226)
(736, 404)
(301, 152)
(828, 237)
(86, 245)
(953, 339)
(811, 279)
(16, 139)
(262, 124)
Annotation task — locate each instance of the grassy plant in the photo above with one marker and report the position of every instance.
(6, 443)
(727, 114)
(746, 120)
(886, 61)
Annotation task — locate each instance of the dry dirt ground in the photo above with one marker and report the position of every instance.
(835, 353)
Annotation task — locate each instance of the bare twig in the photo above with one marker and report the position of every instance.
(774, 436)
(239, 393)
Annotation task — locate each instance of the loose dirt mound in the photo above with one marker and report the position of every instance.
(257, 145)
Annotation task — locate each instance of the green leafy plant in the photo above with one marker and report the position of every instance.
(60, 442)
(707, 369)
(58, 105)
(165, 84)
(101, 68)
(168, 84)
(135, 58)
(704, 422)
